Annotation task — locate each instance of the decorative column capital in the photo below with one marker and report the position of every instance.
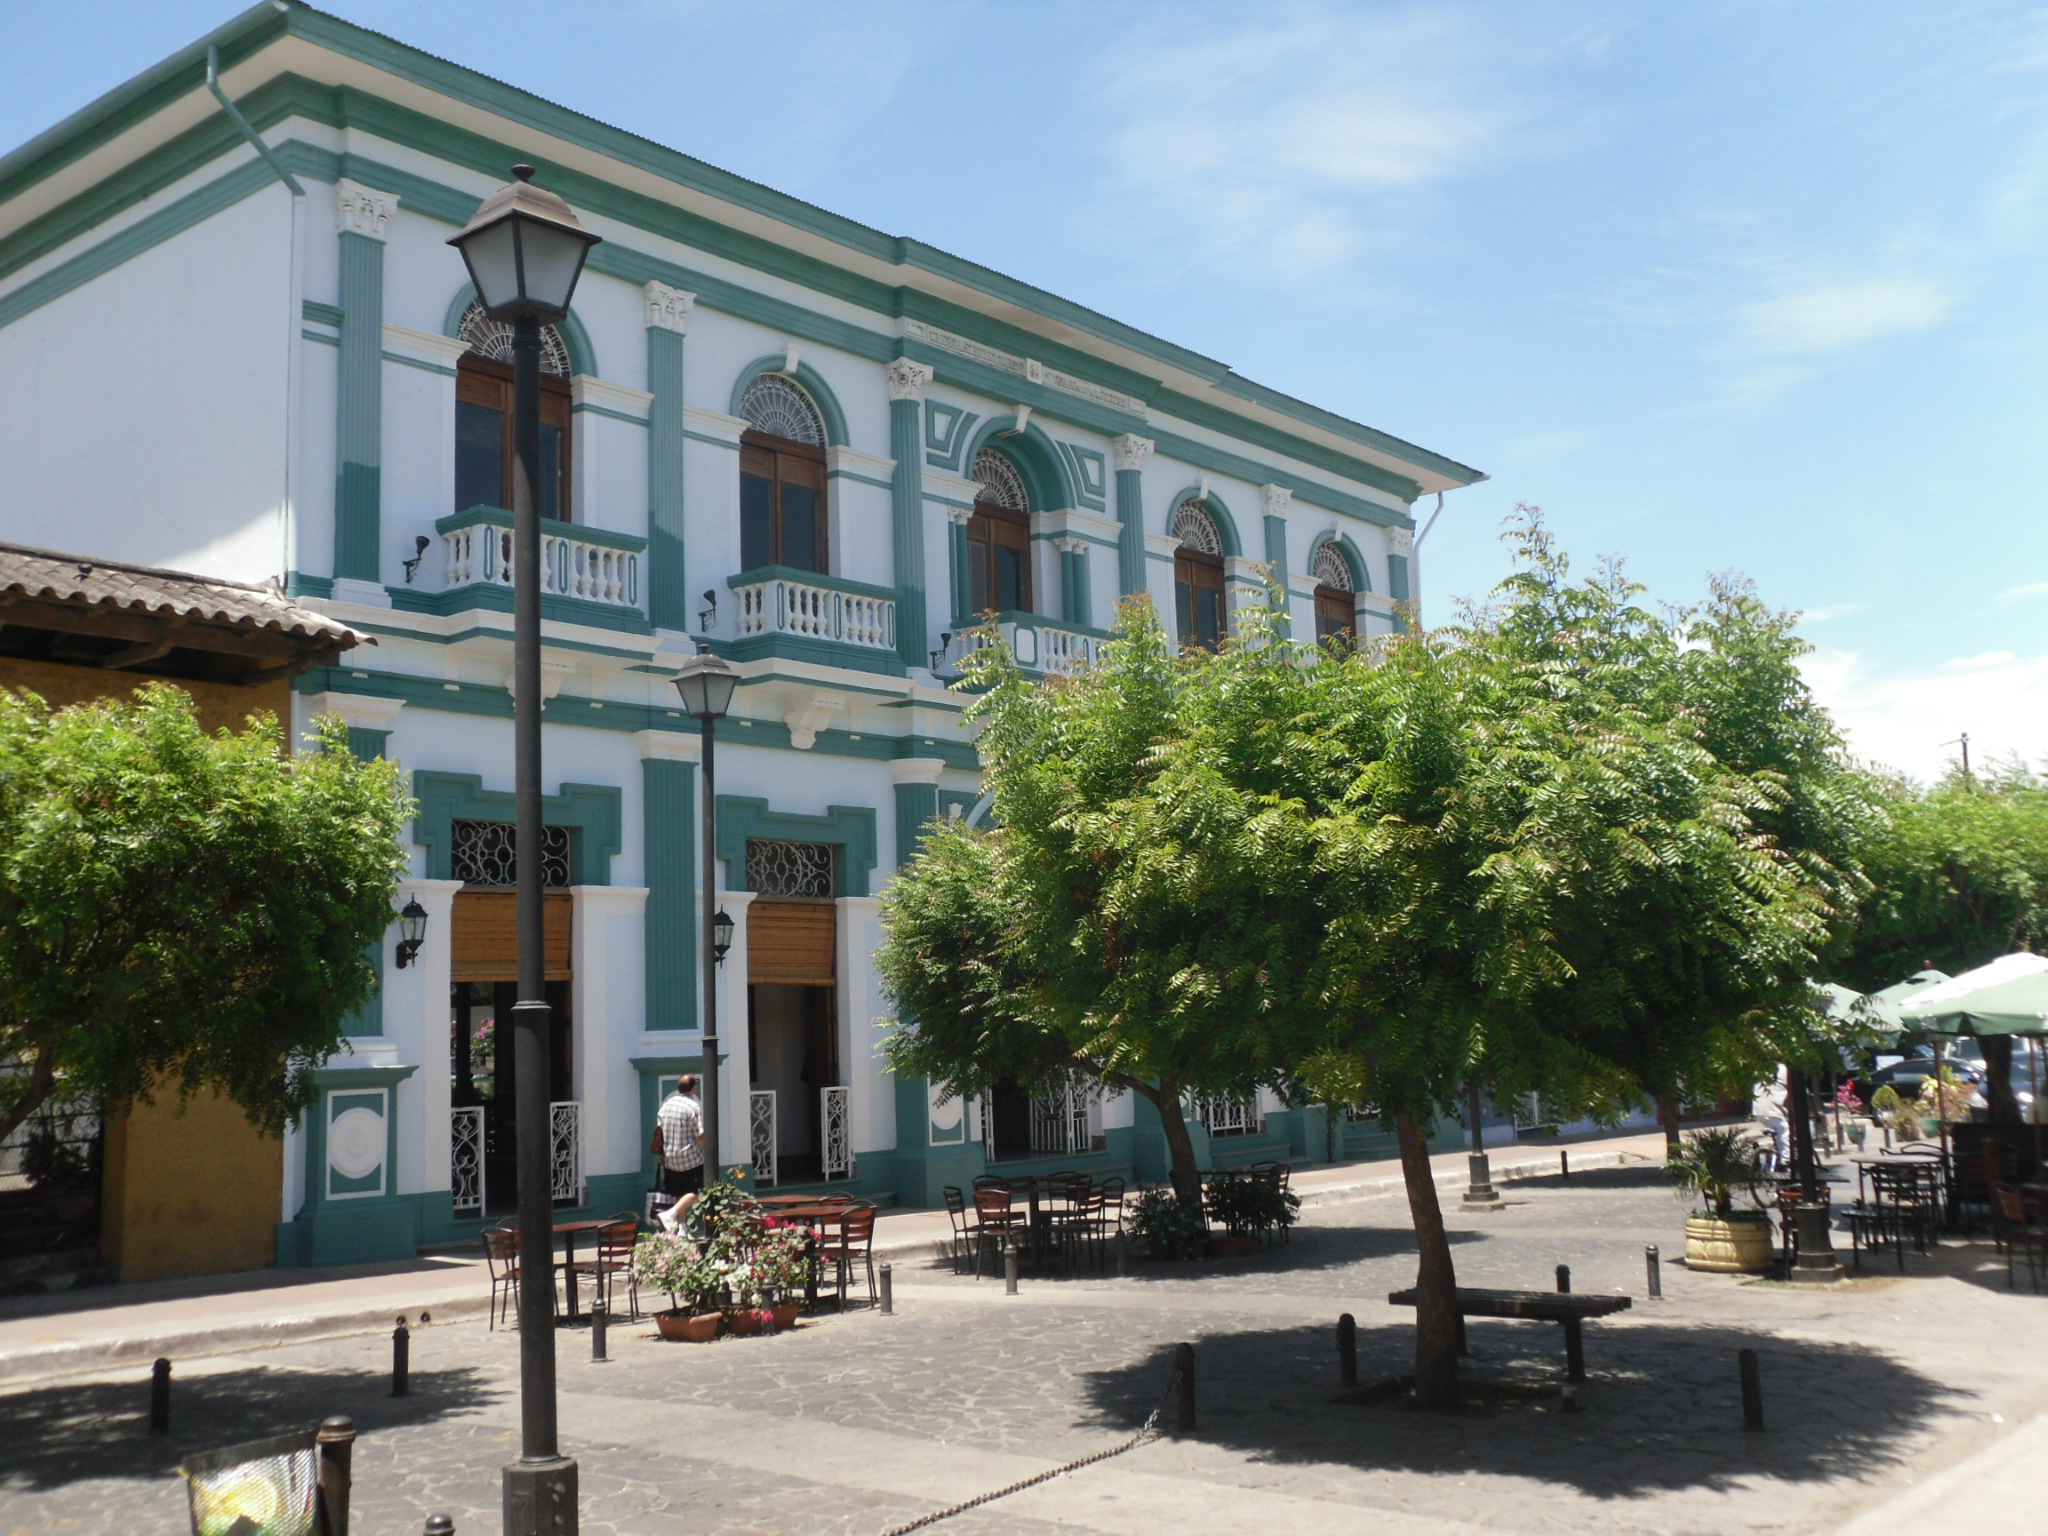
(959, 517)
(1274, 498)
(1400, 541)
(1068, 544)
(668, 309)
(1131, 451)
(360, 211)
(906, 379)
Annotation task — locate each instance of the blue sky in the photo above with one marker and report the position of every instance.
(1749, 286)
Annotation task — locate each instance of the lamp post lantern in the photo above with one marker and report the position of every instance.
(525, 250)
(705, 683)
(412, 932)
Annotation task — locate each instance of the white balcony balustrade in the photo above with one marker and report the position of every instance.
(591, 565)
(807, 605)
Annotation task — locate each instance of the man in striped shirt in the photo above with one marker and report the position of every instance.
(679, 1142)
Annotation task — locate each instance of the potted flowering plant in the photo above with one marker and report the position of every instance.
(670, 1263)
(782, 1265)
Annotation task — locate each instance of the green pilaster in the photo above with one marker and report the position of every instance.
(358, 435)
(668, 594)
(1397, 578)
(1129, 453)
(1276, 556)
(366, 745)
(668, 790)
(916, 804)
(1074, 585)
(906, 381)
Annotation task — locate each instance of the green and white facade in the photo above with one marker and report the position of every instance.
(232, 337)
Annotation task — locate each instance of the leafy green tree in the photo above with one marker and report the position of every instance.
(1106, 927)
(1960, 878)
(182, 908)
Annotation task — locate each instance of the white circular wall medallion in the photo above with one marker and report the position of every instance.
(355, 1143)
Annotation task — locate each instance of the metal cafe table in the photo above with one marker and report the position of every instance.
(568, 1231)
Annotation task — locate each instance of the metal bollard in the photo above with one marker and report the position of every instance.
(1009, 1266)
(1347, 1349)
(600, 1320)
(1564, 1164)
(401, 1360)
(160, 1397)
(1654, 1267)
(336, 1440)
(1123, 1257)
(440, 1525)
(1752, 1391)
(1564, 1279)
(888, 1276)
(1184, 1386)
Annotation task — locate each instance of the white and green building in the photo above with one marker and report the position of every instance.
(233, 340)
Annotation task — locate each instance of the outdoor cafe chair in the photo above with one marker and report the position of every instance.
(1079, 1226)
(1276, 1174)
(501, 1259)
(963, 1221)
(1112, 1208)
(990, 1181)
(1789, 1198)
(995, 1219)
(2016, 1227)
(851, 1245)
(1911, 1194)
(614, 1257)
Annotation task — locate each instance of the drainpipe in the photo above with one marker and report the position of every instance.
(293, 299)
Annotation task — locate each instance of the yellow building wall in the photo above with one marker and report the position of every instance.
(189, 1189)
(219, 703)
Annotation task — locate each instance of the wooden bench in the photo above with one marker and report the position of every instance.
(1535, 1306)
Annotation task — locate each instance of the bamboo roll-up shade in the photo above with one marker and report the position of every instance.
(486, 939)
(791, 942)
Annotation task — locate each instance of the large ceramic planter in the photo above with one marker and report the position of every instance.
(688, 1327)
(785, 1314)
(1734, 1247)
(744, 1322)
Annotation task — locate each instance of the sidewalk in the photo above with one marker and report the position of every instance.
(96, 1329)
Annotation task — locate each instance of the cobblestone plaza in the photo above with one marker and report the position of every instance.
(861, 1423)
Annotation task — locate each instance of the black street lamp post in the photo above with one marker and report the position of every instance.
(1480, 1195)
(1817, 1263)
(705, 683)
(525, 250)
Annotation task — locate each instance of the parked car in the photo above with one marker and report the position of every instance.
(1905, 1074)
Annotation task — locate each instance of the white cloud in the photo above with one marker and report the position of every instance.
(1287, 138)
(1910, 719)
(2026, 590)
(1822, 613)
(1831, 316)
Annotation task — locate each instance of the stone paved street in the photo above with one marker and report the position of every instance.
(857, 1424)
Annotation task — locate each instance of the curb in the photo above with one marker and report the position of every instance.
(190, 1343)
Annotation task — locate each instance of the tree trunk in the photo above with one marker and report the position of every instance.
(1436, 1281)
(1998, 1093)
(42, 1082)
(1180, 1147)
(1667, 1114)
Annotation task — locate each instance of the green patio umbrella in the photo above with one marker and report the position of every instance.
(2016, 1005)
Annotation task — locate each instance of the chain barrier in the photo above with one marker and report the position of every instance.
(1146, 1431)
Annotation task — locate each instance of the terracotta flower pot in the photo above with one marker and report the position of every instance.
(1229, 1247)
(688, 1327)
(1738, 1247)
(743, 1321)
(785, 1314)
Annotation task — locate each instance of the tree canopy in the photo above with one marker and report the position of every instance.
(179, 909)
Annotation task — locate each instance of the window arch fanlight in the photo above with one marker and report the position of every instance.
(492, 339)
(775, 405)
(1336, 603)
(999, 537)
(1198, 575)
(782, 477)
(484, 463)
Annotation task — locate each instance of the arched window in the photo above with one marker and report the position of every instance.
(782, 477)
(483, 417)
(999, 537)
(1336, 606)
(1198, 576)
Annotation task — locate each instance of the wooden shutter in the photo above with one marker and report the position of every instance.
(791, 942)
(486, 938)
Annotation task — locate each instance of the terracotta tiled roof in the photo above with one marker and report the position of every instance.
(86, 581)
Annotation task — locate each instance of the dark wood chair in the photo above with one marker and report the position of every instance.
(501, 1258)
(995, 1219)
(613, 1258)
(964, 1223)
(851, 1246)
(2017, 1227)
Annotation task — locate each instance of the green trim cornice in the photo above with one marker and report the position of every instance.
(348, 107)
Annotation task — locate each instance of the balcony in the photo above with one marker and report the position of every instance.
(586, 574)
(1049, 647)
(810, 616)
